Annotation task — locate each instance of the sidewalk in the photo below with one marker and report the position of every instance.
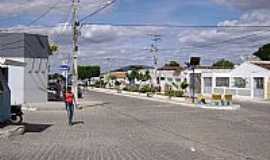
(164, 99)
(57, 106)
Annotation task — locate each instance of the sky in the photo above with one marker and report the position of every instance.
(120, 34)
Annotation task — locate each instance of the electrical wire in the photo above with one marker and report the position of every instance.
(179, 26)
(199, 46)
(97, 11)
(44, 13)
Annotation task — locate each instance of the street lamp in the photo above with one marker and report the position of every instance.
(193, 62)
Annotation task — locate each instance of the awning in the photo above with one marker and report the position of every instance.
(9, 62)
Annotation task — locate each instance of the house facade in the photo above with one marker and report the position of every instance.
(170, 76)
(27, 84)
(248, 80)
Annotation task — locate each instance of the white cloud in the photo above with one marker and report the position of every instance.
(35, 7)
(231, 43)
(245, 4)
(252, 18)
(127, 45)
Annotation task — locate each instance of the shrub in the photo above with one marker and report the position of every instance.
(133, 88)
(179, 93)
(99, 84)
(173, 93)
(184, 85)
(147, 88)
(117, 83)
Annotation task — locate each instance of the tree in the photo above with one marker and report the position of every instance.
(173, 63)
(184, 85)
(224, 64)
(263, 53)
(85, 72)
(147, 76)
(133, 75)
(53, 48)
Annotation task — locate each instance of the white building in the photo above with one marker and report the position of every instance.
(170, 76)
(27, 84)
(4, 88)
(249, 80)
(201, 73)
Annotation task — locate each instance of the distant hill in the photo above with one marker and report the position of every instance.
(132, 67)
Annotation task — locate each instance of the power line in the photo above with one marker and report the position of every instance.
(180, 26)
(109, 3)
(196, 46)
(44, 13)
(229, 40)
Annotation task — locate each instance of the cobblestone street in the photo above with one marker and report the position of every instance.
(129, 129)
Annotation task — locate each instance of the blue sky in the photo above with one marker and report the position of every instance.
(170, 11)
(128, 45)
(195, 12)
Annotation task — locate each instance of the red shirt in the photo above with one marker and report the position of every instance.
(69, 97)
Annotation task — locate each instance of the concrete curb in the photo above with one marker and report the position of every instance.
(164, 99)
(12, 130)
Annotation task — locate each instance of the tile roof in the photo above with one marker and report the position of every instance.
(263, 64)
(119, 75)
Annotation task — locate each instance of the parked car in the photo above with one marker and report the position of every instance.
(80, 93)
(54, 92)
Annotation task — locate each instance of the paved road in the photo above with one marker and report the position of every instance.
(130, 129)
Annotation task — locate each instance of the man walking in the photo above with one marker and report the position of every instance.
(69, 100)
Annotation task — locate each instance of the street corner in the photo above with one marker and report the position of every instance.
(217, 107)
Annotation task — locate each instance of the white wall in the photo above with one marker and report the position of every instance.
(247, 71)
(35, 80)
(16, 82)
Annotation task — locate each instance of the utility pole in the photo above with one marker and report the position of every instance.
(75, 31)
(110, 68)
(154, 51)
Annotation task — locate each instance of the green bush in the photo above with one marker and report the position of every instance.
(179, 93)
(173, 93)
(117, 83)
(132, 88)
(184, 85)
(147, 88)
(99, 84)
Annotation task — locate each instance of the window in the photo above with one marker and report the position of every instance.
(178, 79)
(162, 78)
(239, 82)
(259, 83)
(208, 82)
(222, 82)
(169, 79)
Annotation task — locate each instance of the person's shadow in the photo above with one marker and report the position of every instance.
(77, 122)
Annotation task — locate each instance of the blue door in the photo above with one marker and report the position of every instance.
(4, 98)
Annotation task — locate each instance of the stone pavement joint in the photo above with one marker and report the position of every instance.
(11, 130)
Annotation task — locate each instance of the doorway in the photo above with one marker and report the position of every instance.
(258, 87)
